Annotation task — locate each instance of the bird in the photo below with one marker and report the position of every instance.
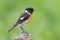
(24, 18)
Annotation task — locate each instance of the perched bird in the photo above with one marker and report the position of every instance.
(24, 18)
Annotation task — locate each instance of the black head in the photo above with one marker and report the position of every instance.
(29, 9)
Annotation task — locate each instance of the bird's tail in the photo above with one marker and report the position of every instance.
(12, 28)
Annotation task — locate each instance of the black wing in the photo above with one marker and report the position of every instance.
(24, 16)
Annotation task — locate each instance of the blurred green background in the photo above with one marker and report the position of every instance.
(45, 24)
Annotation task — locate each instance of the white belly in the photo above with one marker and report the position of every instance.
(22, 24)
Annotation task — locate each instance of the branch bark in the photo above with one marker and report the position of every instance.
(23, 36)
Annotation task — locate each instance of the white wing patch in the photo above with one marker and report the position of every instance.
(22, 18)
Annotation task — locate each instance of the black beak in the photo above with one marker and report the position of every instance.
(33, 10)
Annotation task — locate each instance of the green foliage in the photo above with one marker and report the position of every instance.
(45, 24)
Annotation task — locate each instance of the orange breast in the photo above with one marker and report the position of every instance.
(29, 18)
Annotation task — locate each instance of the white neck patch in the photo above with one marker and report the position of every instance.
(27, 11)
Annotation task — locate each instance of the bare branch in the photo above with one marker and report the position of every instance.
(23, 36)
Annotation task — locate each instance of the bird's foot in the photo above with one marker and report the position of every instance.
(25, 32)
